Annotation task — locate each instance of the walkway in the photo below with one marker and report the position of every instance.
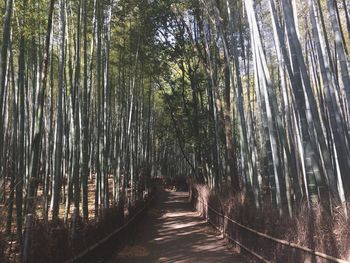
(173, 232)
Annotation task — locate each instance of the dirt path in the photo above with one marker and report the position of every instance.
(173, 232)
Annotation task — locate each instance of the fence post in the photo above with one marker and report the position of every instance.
(27, 237)
(223, 224)
(75, 216)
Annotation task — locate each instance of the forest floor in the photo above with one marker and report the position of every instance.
(173, 231)
(11, 242)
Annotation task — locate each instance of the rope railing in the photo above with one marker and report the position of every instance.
(97, 244)
(277, 240)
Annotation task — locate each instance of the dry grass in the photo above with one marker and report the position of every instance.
(315, 228)
(134, 251)
(51, 237)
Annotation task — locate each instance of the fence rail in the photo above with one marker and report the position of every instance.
(277, 240)
(105, 239)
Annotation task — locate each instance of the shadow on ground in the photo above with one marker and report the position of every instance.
(173, 232)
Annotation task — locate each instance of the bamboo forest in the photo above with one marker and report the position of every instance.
(175, 131)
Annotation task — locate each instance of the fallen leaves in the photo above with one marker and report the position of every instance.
(134, 251)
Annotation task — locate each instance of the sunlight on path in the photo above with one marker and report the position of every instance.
(173, 232)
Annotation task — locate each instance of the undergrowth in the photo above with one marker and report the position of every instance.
(315, 228)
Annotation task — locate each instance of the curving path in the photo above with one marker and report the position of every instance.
(173, 232)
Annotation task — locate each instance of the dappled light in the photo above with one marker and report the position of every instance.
(178, 234)
(174, 131)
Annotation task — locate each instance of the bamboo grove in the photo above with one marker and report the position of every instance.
(77, 106)
(259, 89)
(250, 96)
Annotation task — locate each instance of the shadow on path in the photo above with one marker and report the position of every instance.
(173, 232)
